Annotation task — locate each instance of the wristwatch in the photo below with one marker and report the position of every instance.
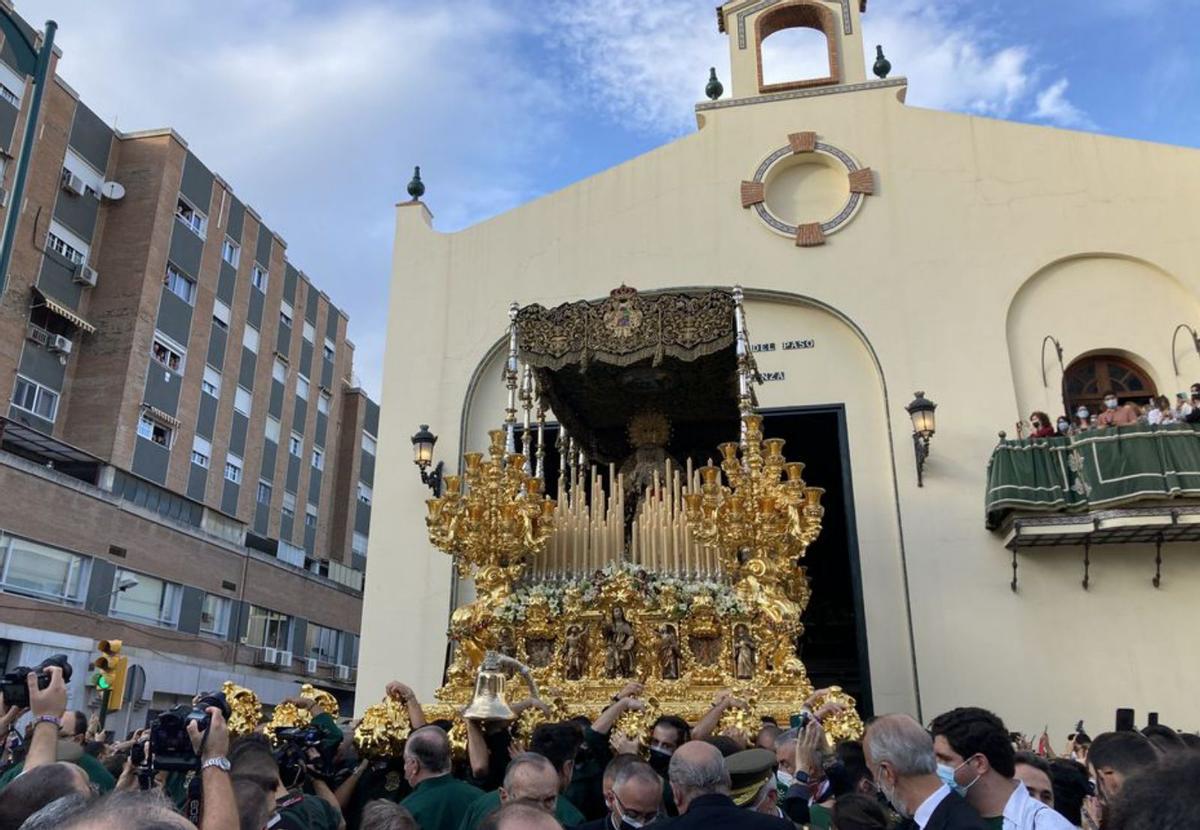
(220, 762)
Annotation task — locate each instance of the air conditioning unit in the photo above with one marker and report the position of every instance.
(60, 344)
(310, 665)
(85, 275)
(72, 183)
(342, 672)
(285, 659)
(38, 335)
(268, 656)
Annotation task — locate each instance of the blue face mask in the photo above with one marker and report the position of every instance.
(947, 773)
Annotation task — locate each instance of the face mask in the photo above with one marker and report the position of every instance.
(1081, 412)
(1111, 403)
(947, 773)
(889, 793)
(660, 761)
(786, 779)
(1063, 426)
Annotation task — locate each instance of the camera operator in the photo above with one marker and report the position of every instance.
(253, 760)
(212, 746)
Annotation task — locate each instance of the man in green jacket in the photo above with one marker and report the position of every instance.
(529, 777)
(439, 801)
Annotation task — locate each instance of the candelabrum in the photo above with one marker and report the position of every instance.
(761, 522)
(493, 518)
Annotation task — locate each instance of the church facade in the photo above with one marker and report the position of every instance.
(999, 268)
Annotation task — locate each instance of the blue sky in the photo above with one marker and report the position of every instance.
(316, 111)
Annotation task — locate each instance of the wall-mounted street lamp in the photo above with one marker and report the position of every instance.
(921, 411)
(423, 443)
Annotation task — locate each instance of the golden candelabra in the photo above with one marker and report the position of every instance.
(245, 709)
(383, 730)
(493, 519)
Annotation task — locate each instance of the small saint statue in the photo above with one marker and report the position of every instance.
(619, 646)
(669, 653)
(745, 653)
(574, 656)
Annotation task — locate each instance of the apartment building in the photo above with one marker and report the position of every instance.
(185, 460)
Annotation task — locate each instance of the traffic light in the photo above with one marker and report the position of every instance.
(111, 666)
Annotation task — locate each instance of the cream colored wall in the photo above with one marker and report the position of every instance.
(967, 211)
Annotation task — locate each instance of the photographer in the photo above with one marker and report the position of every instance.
(253, 760)
(212, 745)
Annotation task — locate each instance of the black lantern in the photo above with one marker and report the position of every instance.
(423, 443)
(921, 411)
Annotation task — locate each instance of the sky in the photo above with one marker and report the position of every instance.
(316, 111)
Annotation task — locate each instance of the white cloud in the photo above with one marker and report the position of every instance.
(1052, 106)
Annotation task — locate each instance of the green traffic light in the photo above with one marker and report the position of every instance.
(102, 683)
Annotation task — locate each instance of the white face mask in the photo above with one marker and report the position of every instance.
(786, 779)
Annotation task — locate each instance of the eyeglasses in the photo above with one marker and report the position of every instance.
(634, 814)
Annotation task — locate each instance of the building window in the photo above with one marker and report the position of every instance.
(368, 443)
(296, 444)
(221, 315)
(230, 252)
(365, 493)
(272, 429)
(318, 459)
(35, 399)
(214, 615)
(241, 400)
(309, 332)
(250, 338)
(188, 215)
(152, 430)
(264, 492)
(233, 468)
(329, 349)
(310, 515)
(269, 629)
(323, 401)
(210, 384)
(167, 352)
(289, 505)
(201, 451)
(323, 644)
(149, 598)
(79, 167)
(180, 285)
(66, 244)
(42, 571)
(12, 86)
(279, 371)
(285, 313)
(358, 543)
(258, 277)
(302, 387)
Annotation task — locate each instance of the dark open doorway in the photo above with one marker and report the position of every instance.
(834, 644)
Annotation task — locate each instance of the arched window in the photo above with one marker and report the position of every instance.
(1088, 380)
(803, 51)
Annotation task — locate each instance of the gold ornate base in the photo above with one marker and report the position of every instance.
(686, 640)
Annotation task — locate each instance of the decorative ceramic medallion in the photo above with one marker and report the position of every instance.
(807, 189)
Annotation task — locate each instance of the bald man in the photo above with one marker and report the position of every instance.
(521, 815)
(530, 778)
(701, 785)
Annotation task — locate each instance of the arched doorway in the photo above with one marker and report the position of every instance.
(1090, 378)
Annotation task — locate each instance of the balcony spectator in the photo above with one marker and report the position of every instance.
(1159, 413)
(1082, 421)
(1039, 423)
(1182, 407)
(1117, 414)
(1193, 415)
(1064, 426)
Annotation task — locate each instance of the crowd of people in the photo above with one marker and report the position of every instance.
(964, 771)
(1158, 411)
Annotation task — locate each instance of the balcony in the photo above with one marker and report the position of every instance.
(1122, 485)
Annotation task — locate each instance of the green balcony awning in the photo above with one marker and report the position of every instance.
(1098, 469)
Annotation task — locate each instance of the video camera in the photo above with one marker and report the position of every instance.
(14, 685)
(299, 751)
(170, 745)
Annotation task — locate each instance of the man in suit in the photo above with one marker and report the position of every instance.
(900, 756)
(633, 795)
(701, 785)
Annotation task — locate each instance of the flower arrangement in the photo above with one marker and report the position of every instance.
(655, 588)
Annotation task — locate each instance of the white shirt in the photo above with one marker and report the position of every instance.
(925, 811)
(1024, 812)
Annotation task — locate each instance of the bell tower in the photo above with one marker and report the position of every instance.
(749, 23)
